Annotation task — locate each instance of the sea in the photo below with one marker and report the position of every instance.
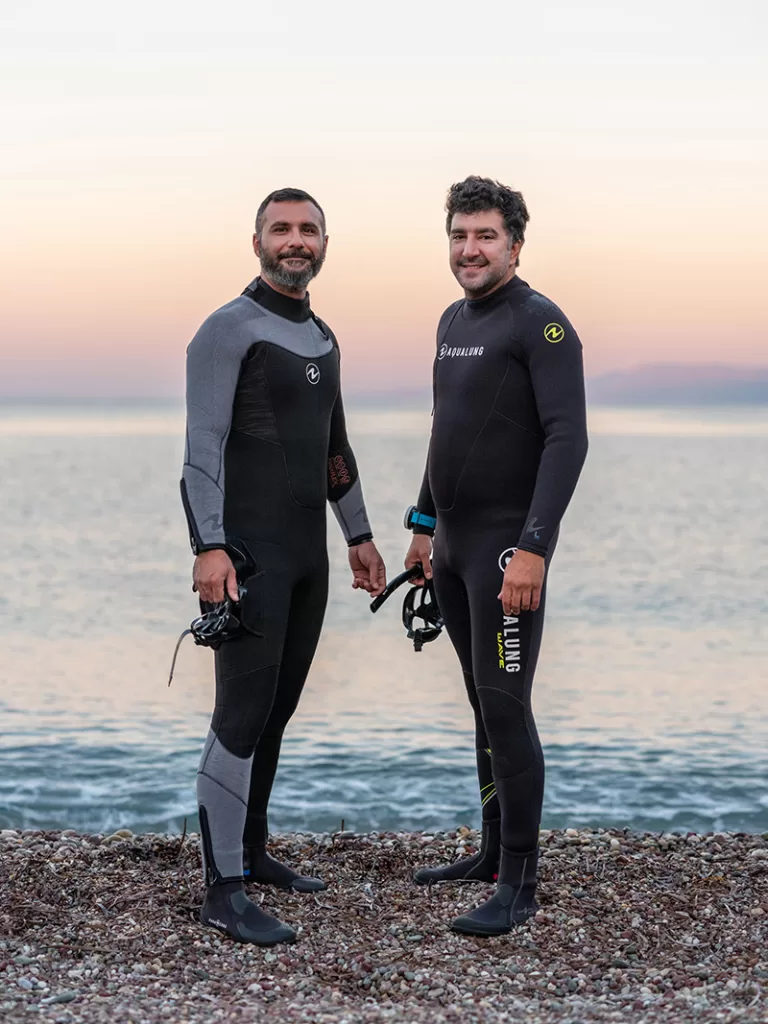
(650, 696)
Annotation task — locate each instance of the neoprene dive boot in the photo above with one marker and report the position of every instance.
(261, 868)
(482, 866)
(511, 904)
(227, 907)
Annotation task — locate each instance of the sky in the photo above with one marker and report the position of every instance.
(139, 139)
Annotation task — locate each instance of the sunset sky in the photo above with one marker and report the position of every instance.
(139, 139)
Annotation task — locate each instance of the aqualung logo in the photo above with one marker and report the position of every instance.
(508, 644)
(446, 350)
(313, 374)
(506, 557)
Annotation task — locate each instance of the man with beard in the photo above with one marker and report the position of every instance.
(266, 447)
(507, 446)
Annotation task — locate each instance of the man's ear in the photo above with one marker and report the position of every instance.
(514, 253)
(256, 245)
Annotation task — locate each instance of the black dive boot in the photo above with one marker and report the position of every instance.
(228, 908)
(511, 904)
(226, 905)
(259, 867)
(482, 866)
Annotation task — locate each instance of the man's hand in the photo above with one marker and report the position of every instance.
(420, 553)
(212, 573)
(523, 580)
(368, 570)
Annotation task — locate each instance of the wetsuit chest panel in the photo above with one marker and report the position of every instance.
(303, 394)
(487, 438)
(281, 427)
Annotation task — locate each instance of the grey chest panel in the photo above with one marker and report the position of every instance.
(258, 324)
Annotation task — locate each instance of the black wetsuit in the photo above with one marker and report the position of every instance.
(266, 449)
(507, 446)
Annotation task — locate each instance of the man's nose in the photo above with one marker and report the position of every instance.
(471, 248)
(295, 240)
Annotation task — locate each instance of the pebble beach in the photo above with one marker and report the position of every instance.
(632, 927)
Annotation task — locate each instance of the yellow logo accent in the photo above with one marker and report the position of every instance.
(501, 653)
(554, 333)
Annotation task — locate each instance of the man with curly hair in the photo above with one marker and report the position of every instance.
(507, 446)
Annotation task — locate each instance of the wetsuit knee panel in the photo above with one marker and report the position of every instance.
(513, 743)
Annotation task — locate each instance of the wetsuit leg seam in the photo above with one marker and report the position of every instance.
(221, 785)
(537, 761)
(251, 672)
(506, 693)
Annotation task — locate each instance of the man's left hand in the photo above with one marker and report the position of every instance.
(523, 581)
(368, 571)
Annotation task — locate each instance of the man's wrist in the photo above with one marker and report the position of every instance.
(538, 552)
(362, 538)
(419, 522)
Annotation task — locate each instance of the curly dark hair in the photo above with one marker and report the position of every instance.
(286, 195)
(475, 194)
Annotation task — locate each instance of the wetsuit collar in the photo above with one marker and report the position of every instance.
(500, 295)
(283, 305)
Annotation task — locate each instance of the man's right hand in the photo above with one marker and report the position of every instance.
(212, 573)
(420, 553)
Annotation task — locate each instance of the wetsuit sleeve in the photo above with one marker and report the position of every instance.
(426, 503)
(553, 354)
(214, 360)
(345, 492)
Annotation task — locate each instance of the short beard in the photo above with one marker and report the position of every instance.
(491, 281)
(293, 280)
(488, 284)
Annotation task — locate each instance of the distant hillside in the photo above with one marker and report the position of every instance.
(678, 384)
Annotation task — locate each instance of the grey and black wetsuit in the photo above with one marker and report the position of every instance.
(508, 442)
(266, 448)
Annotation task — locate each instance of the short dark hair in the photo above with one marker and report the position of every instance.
(287, 195)
(476, 194)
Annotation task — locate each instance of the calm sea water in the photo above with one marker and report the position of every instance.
(651, 689)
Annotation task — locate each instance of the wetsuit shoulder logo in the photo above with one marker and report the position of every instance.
(313, 374)
(506, 557)
(554, 333)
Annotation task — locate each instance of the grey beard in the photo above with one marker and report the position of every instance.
(294, 280)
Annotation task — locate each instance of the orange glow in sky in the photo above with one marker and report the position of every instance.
(139, 152)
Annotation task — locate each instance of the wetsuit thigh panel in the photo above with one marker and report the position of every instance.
(453, 601)
(305, 621)
(247, 670)
(505, 651)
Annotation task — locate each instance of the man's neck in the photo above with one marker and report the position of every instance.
(475, 296)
